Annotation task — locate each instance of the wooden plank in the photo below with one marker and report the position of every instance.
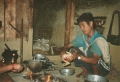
(28, 14)
(24, 11)
(2, 19)
(10, 17)
(72, 20)
(21, 43)
(69, 21)
(13, 11)
(19, 16)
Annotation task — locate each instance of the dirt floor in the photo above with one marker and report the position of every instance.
(114, 76)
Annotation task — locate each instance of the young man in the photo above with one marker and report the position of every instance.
(95, 57)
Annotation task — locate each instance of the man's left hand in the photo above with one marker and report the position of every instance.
(75, 54)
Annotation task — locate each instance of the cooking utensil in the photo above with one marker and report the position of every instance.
(34, 65)
(95, 78)
(67, 71)
(39, 56)
(9, 56)
(7, 47)
(46, 63)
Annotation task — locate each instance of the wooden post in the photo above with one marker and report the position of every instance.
(21, 43)
(69, 21)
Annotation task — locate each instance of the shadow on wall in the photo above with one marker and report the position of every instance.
(45, 14)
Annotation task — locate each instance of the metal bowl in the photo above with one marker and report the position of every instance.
(95, 78)
(67, 71)
(39, 56)
(34, 65)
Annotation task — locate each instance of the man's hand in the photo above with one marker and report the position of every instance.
(62, 53)
(75, 54)
(17, 68)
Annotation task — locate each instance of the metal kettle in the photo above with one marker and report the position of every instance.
(9, 56)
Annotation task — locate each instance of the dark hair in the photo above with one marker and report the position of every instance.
(86, 17)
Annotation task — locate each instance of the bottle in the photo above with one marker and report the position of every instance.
(51, 50)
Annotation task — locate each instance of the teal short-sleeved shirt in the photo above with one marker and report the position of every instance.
(79, 42)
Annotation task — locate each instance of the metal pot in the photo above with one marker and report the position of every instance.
(67, 71)
(9, 56)
(95, 78)
(39, 56)
(34, 65)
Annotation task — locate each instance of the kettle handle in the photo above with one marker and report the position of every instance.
(7, 47)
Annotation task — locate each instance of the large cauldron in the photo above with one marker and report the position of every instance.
(34, 65)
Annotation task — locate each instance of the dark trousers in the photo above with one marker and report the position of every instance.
(89, 68)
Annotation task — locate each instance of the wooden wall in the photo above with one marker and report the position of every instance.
(17, 20)
(2, 19)
(18, 13)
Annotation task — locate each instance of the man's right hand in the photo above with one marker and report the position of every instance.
(64, 49)
(17, 68)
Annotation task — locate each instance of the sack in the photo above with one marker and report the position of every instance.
(114, 39)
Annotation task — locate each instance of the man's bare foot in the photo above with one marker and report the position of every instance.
(81, 74)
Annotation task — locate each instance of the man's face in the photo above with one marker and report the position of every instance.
(86, 28)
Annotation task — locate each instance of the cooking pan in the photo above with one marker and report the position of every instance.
(95, 78)
(67, 71)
